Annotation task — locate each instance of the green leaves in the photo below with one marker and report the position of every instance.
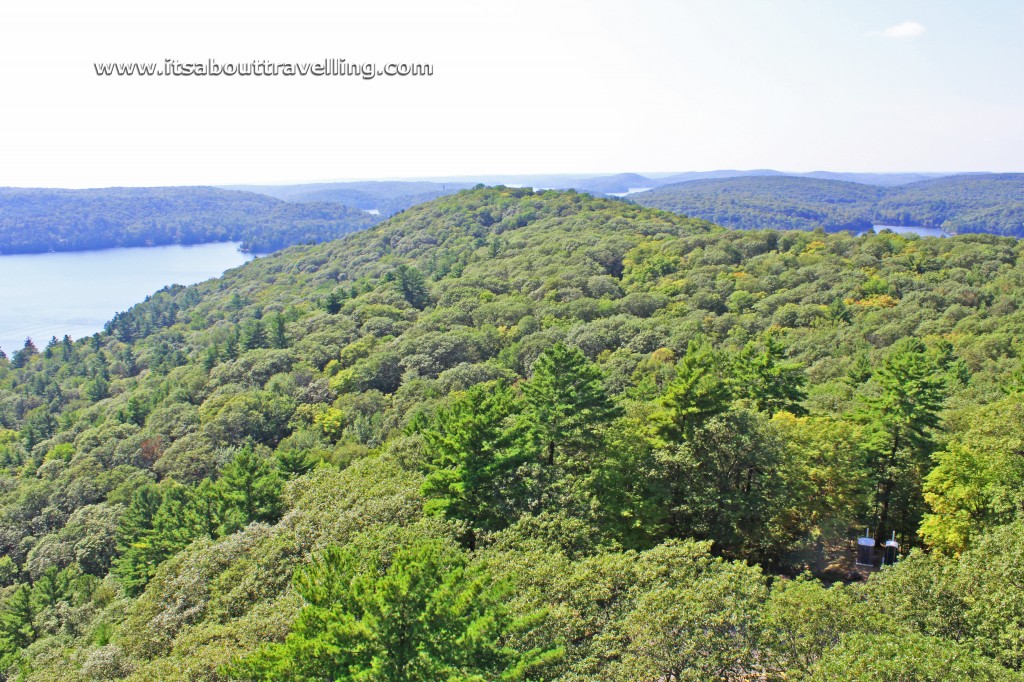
(899, 419)
(703, 388)
(251, 485)
(426, 614)
(771, 382)
(978, 479)
(165, 518)
(568, 404)
(474, 448)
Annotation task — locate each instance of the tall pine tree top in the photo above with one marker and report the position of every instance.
(568, 401)
(703, 387)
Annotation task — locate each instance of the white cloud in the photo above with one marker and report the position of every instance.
(908, 29)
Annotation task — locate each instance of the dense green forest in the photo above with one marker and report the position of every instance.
(992, 203)
(776, 202)
(41, 220)
(982, 203)
(529, 436)
(269, 218)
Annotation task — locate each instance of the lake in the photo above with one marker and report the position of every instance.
(53, 294)
(903, 229)
(630, 190)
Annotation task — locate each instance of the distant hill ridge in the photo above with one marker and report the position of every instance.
(970, 203)
(267, 218)
(42, 220)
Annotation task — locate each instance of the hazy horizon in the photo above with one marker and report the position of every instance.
(588, 86)
(495, 176)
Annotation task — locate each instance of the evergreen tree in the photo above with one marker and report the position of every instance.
(211, 356)
(473, 449)
(206, 512)
(17, 617)
(860, 370)
(899, 421)
(232, 343)
(295, 462)
(333, 303)
(157, 524)
(771, 382)
(427, 615)
(278, 337)
(254, 335)
(568, 403)
(413, 286)
(97, 389)
(22, 357)
(252, 487)
(54, 586)
(702, 388)
(838, 311)
(67, 348)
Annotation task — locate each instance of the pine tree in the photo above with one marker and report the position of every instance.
(568, 403)
(413, 286)
(254, 335)
(16, 618)
(838, 311)
(428, 614)
(333, 303)
(232, 343)
(252, 486)
(473, 450)
(278, 337)
(23, 356)
(899, 422)
(206, 512)
(860, 370)
(134, 567)
(771, 382)
(702, 388)
(295, 462)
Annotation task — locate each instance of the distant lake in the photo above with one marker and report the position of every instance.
(630, 190)
(53, 294)
(903, 229)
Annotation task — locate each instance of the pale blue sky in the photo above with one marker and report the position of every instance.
(525, 87)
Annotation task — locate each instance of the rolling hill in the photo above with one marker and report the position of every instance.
(534, 435)
(979, 203)
(41, 220)
(775, 202)
(385, 197)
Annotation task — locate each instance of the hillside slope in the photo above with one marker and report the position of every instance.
(572, 433)
(989, 203)
(41, 220)
(770, 202)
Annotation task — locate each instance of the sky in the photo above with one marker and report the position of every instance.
(552, 86)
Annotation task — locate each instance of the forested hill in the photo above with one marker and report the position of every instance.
(964, 203)
(41, 220)
(385, 197)
(982, 203)
(517, 435)
(775, 202)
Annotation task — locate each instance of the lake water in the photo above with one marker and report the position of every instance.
(902, 229)
(630, 190)
(53, 294)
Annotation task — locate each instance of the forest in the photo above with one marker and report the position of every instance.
(518, 435)
(980, 203)
(42, 220)
(385, 197)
